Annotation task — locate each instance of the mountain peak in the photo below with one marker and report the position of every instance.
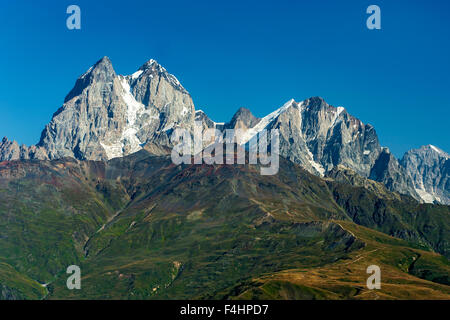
(151, 69)
(316, 104)
(243, 118)
(151, 62)
(428, 149)
(153, 66)
(104, 64)
(5, 140)
(242, 112)
(315, 100)
(101, 71)
(105, 60)
(436, 149)
(428, 167)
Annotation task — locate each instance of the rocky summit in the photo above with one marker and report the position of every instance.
(429, 169)
(107, 116)
(100, 191)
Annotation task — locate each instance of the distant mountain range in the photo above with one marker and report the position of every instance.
(100, 191)
(107, 116)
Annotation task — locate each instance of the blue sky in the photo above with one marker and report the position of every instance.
(228, 54)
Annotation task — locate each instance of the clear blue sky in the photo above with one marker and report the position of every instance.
(228, 54)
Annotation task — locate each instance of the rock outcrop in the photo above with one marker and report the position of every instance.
(107, 115)
(429, 169)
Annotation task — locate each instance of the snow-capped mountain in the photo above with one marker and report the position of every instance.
(107, 115)
(429, 168)
(319, 137)
(388, 170)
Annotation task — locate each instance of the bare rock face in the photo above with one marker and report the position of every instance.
(108, 115)
(335, 137)
(429, 169)
(10, 150)
(94, 113)
(200, 116)
(167, 104)
(319, 136)
(242, 119)
(388, 170)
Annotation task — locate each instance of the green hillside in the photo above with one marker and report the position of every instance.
(142, 228)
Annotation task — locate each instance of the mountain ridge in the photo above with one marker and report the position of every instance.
(141, 227)
(107, 115)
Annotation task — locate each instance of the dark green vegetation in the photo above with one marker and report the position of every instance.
(142, 228)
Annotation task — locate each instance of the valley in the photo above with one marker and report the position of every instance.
(140, 227)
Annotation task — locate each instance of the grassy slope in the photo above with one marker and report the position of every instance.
(346, 279)
(15, 285)
(140, 227)
(46, 215)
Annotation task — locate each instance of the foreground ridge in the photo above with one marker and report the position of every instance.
(140, 227)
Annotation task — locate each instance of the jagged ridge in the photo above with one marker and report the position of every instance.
(107, 115)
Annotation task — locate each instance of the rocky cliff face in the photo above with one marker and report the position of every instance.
(200, 116)
(387, 170)
(348, 176)
(94, 116)
(206, 122)
(107, 116)
(242, 119)
(166, 103)
(429, 169)
(10, 150)
(319, 136)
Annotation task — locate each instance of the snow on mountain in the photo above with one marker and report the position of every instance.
(128, 137)
(107, 116)
(429, 169)
(264, 122)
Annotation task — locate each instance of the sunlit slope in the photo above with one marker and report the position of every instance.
(142, 228)
(346, 279)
